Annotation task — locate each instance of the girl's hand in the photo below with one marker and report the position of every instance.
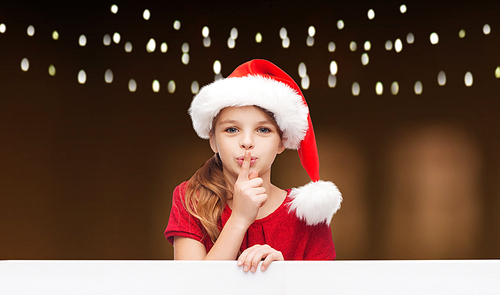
(249, 194)
(251, 257)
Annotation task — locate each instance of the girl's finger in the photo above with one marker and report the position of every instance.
(275, 256)
(245, 258)
(242, 257)
(245, 167)
(253, 174)
(249, 264)
(257, 257)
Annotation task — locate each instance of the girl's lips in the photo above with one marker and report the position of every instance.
(242, 158)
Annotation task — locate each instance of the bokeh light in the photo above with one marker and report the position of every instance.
(283, 33)
(258, 37)
(310, 41)
(468, 79)
(331, 47)
(231, 43)
(419, 88)
(234, 33)
(304, 82)
(82, 41)
(333, 68)
(340, 24)
(164, 47)
(398, 45)
(146, 14)
(311, 31)
(395, 88)
(379, 88)
(116, 37)
(132, 85)
(52, 70)
(353, 46)
(185, 58)
(441, 78)
(128, 47)
(332, 81)
(486, 29)
(365, 59)
(30, 31)
(285, 42)
(388, 45)
(205, 31)
(171, 86)
(151, 46)
(302, 70)
(410, 38)
(371, 14)
(177, 25)
(108, 76)
(367, 45)
(156, 86)
(217, 67)
(195, 87)
(207, 41)
(356, 89)
(106, 40)
(434, 38)
(25, 64)
(82, 77)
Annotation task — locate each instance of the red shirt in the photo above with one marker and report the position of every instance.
(281, 230)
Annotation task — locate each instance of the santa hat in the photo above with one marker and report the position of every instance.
(261, 83)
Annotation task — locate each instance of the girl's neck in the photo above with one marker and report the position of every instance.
(275, 197)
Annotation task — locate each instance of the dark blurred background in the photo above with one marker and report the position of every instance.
(87, 168)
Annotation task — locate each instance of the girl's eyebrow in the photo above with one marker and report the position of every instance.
(230, 121)
(264, 122)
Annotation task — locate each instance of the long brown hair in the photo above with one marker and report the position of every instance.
(208, 189)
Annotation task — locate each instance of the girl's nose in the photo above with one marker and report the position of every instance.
(247, 142)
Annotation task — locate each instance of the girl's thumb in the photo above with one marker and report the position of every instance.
(253, 174)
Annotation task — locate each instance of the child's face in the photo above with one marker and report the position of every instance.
(245, 128)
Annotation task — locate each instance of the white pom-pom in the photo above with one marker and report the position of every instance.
(316, 202)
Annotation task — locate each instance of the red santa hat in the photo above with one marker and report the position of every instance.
(261, 83)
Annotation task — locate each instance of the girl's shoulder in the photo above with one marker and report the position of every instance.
(181, 188)
(179, 193)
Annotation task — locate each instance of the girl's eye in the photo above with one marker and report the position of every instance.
(264, 130)
(231, 130)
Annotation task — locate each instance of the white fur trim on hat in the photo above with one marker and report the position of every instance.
(316, 202)
(286, 104)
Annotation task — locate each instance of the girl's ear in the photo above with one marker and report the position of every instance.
(213, 145)
(281, 148)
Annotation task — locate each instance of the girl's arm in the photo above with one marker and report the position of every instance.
(248, 197)
(188, 249)
(226, 247)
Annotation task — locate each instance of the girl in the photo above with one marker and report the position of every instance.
(229, 209)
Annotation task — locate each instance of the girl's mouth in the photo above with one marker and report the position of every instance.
(242, 158)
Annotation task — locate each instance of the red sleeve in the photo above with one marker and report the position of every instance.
(320, 244)
(181, 222)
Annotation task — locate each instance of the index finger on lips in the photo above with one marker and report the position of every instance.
(245, 167)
